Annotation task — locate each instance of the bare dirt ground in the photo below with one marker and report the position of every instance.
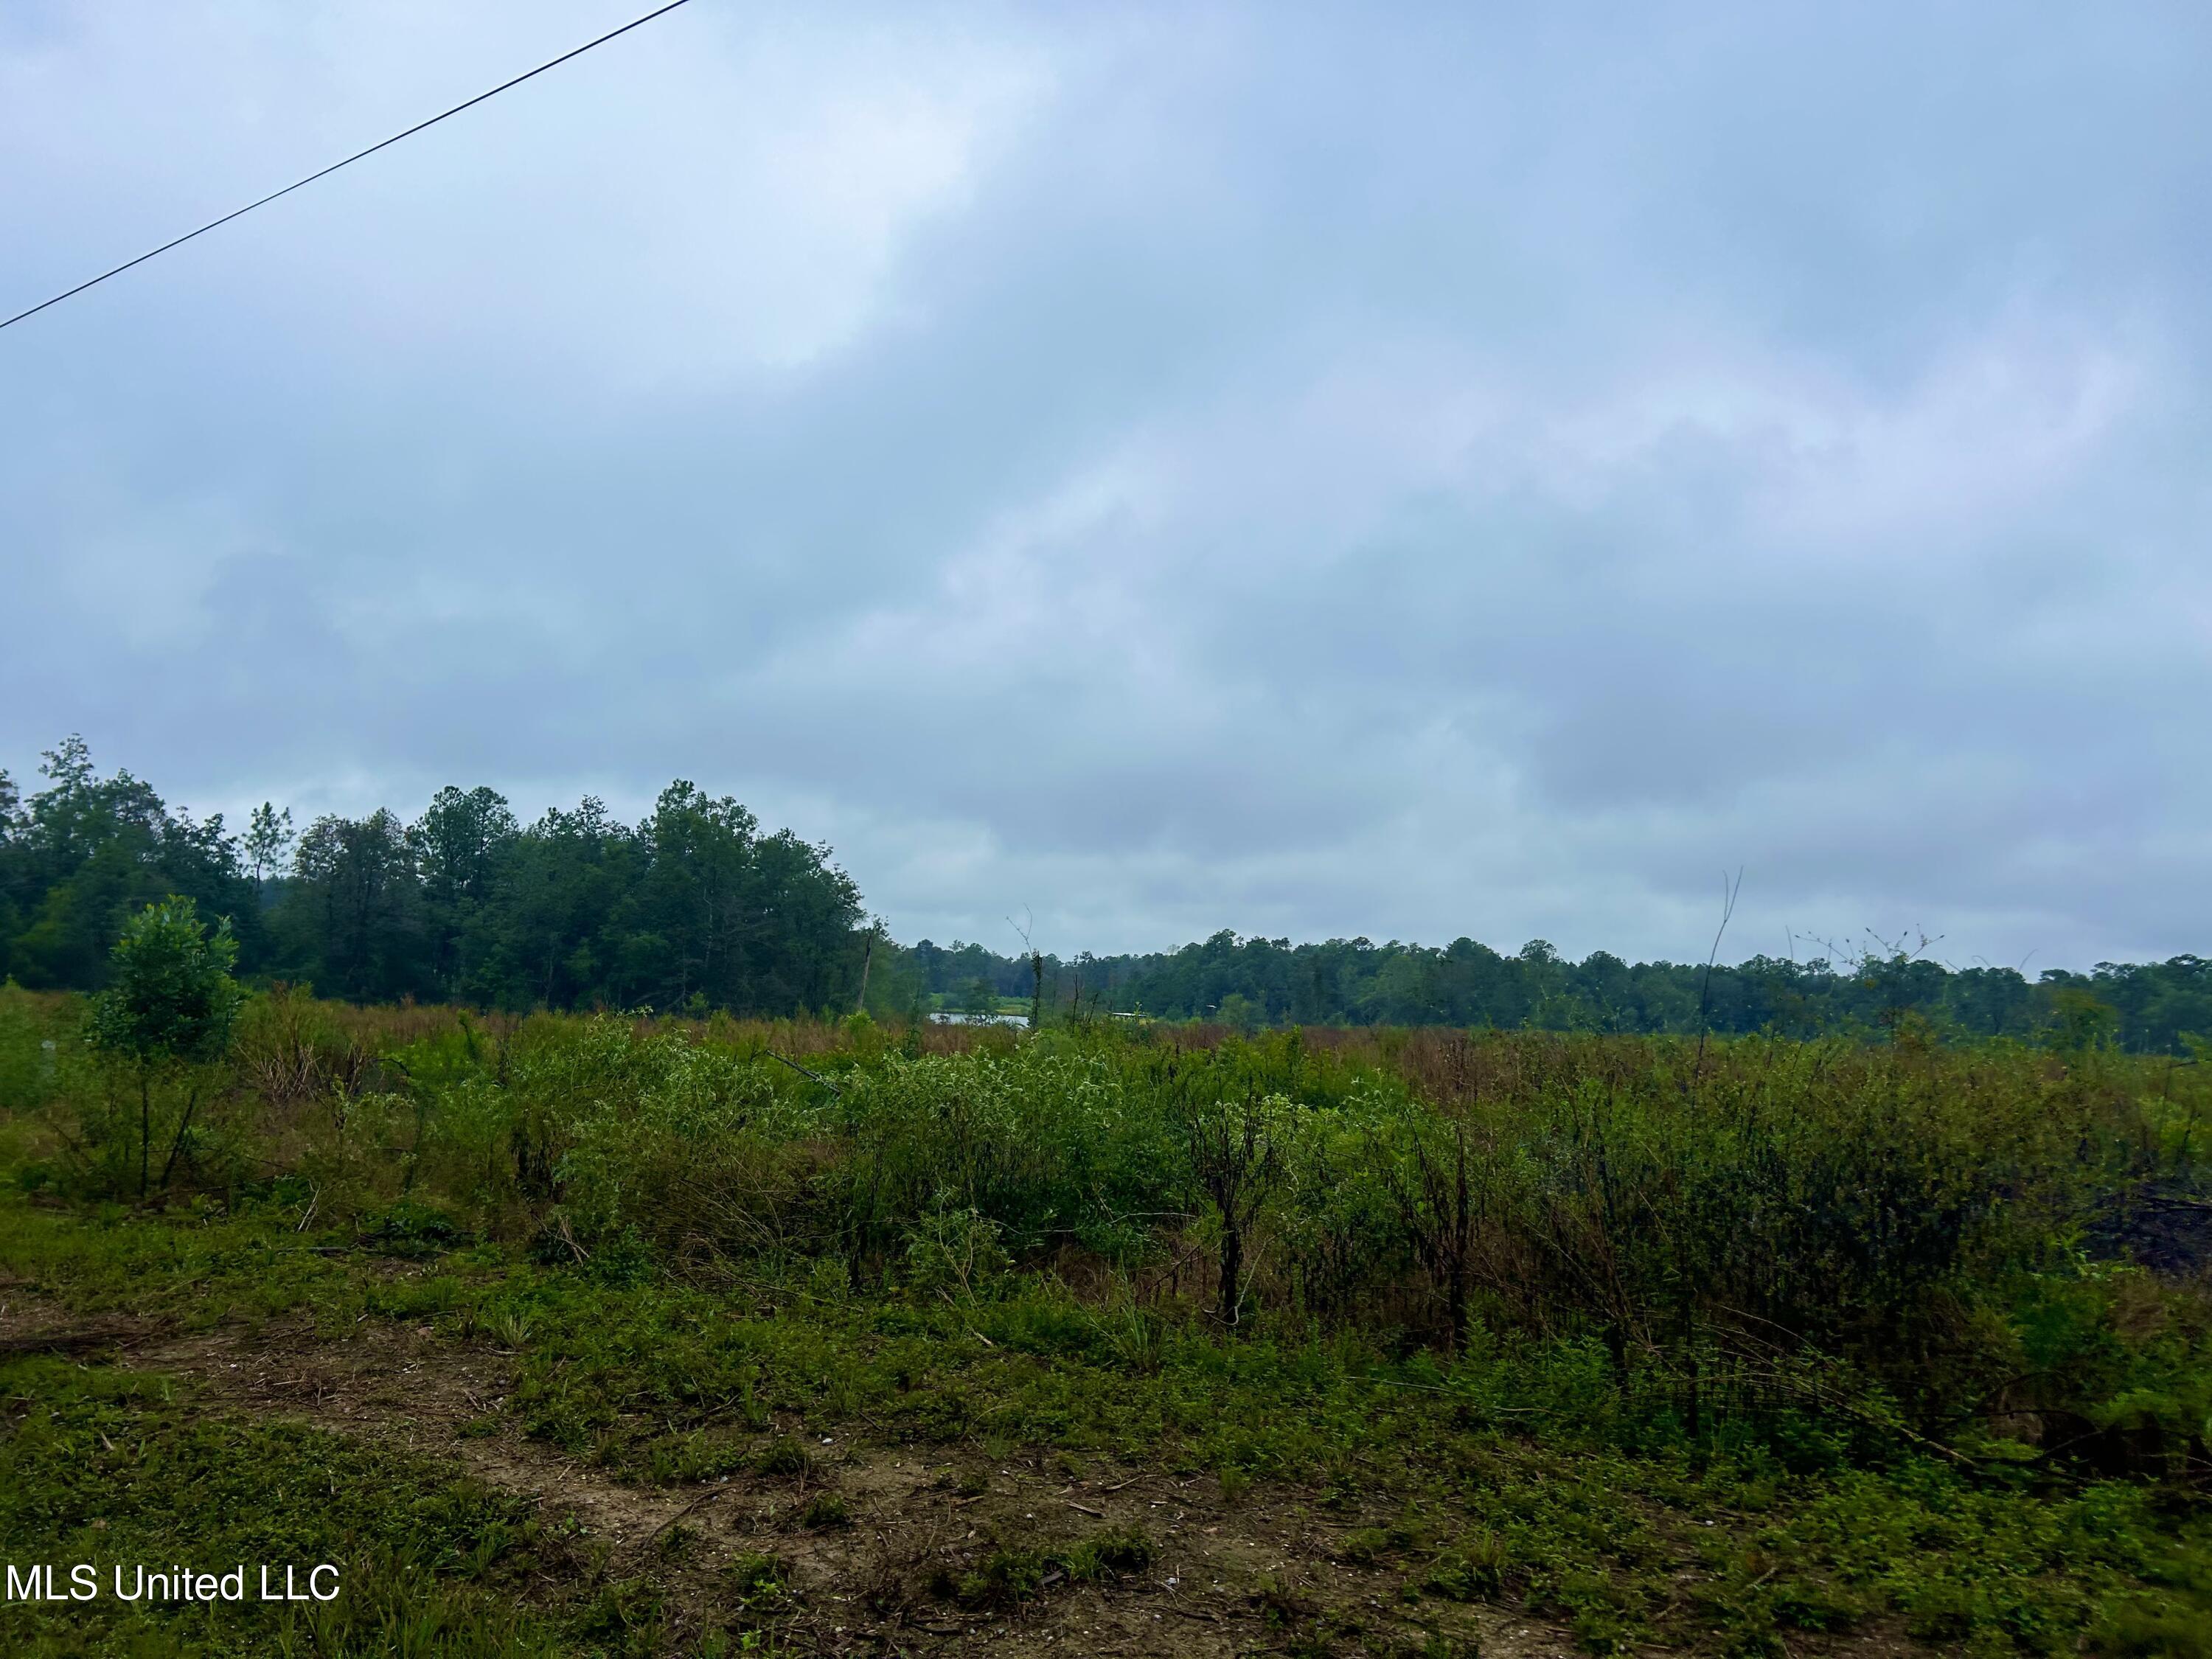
(1245, 1578)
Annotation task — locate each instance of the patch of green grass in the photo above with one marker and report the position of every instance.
(1364, 1545)
(1472, 1570)
(761, 1585)
(2132, 1630)
(1010, 1573)
(411, 1229)
(786, 1457)
(115, 1469)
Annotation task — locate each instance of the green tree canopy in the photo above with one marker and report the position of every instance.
(170, 1000)
(170, 995)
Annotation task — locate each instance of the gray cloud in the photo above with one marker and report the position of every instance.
(1268, 468)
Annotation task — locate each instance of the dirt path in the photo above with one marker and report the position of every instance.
(1227, 1579)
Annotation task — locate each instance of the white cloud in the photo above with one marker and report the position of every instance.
(1262, 468)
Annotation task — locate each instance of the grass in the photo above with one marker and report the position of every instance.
(1812, 1344)
(1013, 1572)
(115, 1469)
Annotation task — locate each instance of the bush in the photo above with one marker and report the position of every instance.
(165, 1018)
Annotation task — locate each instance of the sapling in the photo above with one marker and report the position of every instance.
(171, 1003)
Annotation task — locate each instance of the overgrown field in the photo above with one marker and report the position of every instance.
(574, 1334)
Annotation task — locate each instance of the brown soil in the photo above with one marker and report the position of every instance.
(1229, 1579)
(1260, 1575)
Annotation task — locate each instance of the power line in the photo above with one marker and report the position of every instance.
(551, 63)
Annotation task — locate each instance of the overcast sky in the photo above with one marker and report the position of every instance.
(1316, 472)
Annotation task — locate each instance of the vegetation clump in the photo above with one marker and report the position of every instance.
(697, 911)
(1666, 1341)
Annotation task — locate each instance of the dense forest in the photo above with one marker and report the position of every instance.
(696, 908)
(693, 907)
(1877, 987)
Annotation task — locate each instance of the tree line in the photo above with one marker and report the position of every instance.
(694, 907)
(1879, 988)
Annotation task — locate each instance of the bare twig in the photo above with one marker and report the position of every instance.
(1728, 890)
(803, 1072)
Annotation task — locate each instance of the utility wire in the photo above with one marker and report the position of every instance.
(553, 63)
